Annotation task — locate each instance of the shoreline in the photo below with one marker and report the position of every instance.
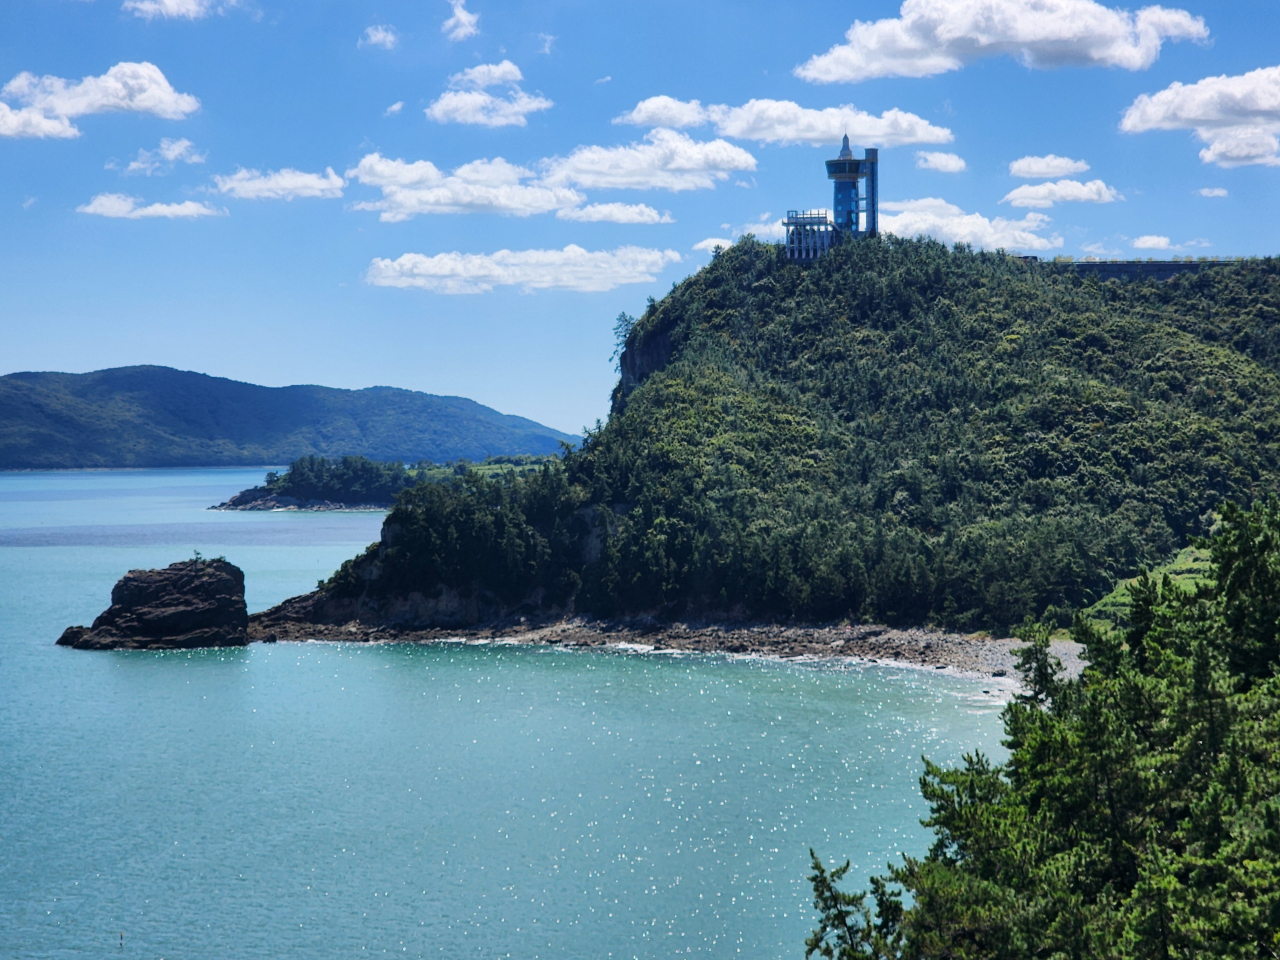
(966, 655)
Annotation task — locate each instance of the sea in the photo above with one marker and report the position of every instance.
(342, 800)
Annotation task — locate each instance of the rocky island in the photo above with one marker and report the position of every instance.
(195, 603)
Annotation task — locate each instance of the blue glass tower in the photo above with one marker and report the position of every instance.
(856, 212)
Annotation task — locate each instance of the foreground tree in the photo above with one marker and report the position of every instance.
(1138, 814)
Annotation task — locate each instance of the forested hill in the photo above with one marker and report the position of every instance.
(899, 431)
(160, 417)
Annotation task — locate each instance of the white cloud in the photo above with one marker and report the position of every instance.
(936, 36)
(50, 103)
(175, 9)
(547, 40)
(572, 268)
(669, 160)
(393, 109)
(119, 206)
(1237, 117)
(468, 99)
(664, 111)
(1099, 250)
(486, 75)
(603, 80)
(1152, 242)
(1045, 195)
(285, 184)
(30, 122)
(483, 108)
(1042, 168)
(1213, 192)
(163, 158)
(462, 24)
(946, 222)
(614, 213)
(763, 228)
(784, 121)
(942, 162)
(482, 186)
(380, 35)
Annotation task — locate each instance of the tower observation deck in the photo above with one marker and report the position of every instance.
(856, 207)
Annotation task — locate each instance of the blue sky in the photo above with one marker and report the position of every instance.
(461, 197)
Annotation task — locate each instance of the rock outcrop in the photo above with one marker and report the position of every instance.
(261, 498)
(195, 603)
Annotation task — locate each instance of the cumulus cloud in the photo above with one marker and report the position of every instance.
(462, 24)
(572, 268)
(482, 186)
(766, 227)
(784, 121)
(943, 221)
(1152, 242)
(469, 101)
(614, 213)
(162, 159)
(1238, 118)
(1098, 249)
(393, 109)
(1042, 168)
(175, 9)
(664, 111)
(285, 184)
(929, 37)
(380, 35)
(120, 206)
(667, 160)
(1045, 195)
(50, 103)
(942, 162)
(1213, 192)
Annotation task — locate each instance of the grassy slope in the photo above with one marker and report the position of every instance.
(156, 416)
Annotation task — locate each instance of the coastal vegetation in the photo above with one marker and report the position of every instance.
(899, 432)
(160, 417)
(359, 480)
(1138, 814)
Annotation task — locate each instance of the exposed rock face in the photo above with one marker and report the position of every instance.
(639, 361)
(195, 603)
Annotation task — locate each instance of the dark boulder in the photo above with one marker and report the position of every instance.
(195, 603)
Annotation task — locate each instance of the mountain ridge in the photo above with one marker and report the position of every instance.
(155, 416)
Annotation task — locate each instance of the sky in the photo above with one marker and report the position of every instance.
(460, 196)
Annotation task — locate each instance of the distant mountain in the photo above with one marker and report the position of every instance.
(161, 417)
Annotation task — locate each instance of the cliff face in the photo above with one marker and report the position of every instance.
(641, 358)
(196, 603)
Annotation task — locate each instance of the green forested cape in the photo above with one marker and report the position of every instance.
(898, 431)
(1138, 815)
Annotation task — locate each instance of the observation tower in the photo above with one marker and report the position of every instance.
(856, 213)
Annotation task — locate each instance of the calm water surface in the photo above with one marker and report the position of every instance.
(338, 800)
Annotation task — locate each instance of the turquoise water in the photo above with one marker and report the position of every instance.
(338, 800)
